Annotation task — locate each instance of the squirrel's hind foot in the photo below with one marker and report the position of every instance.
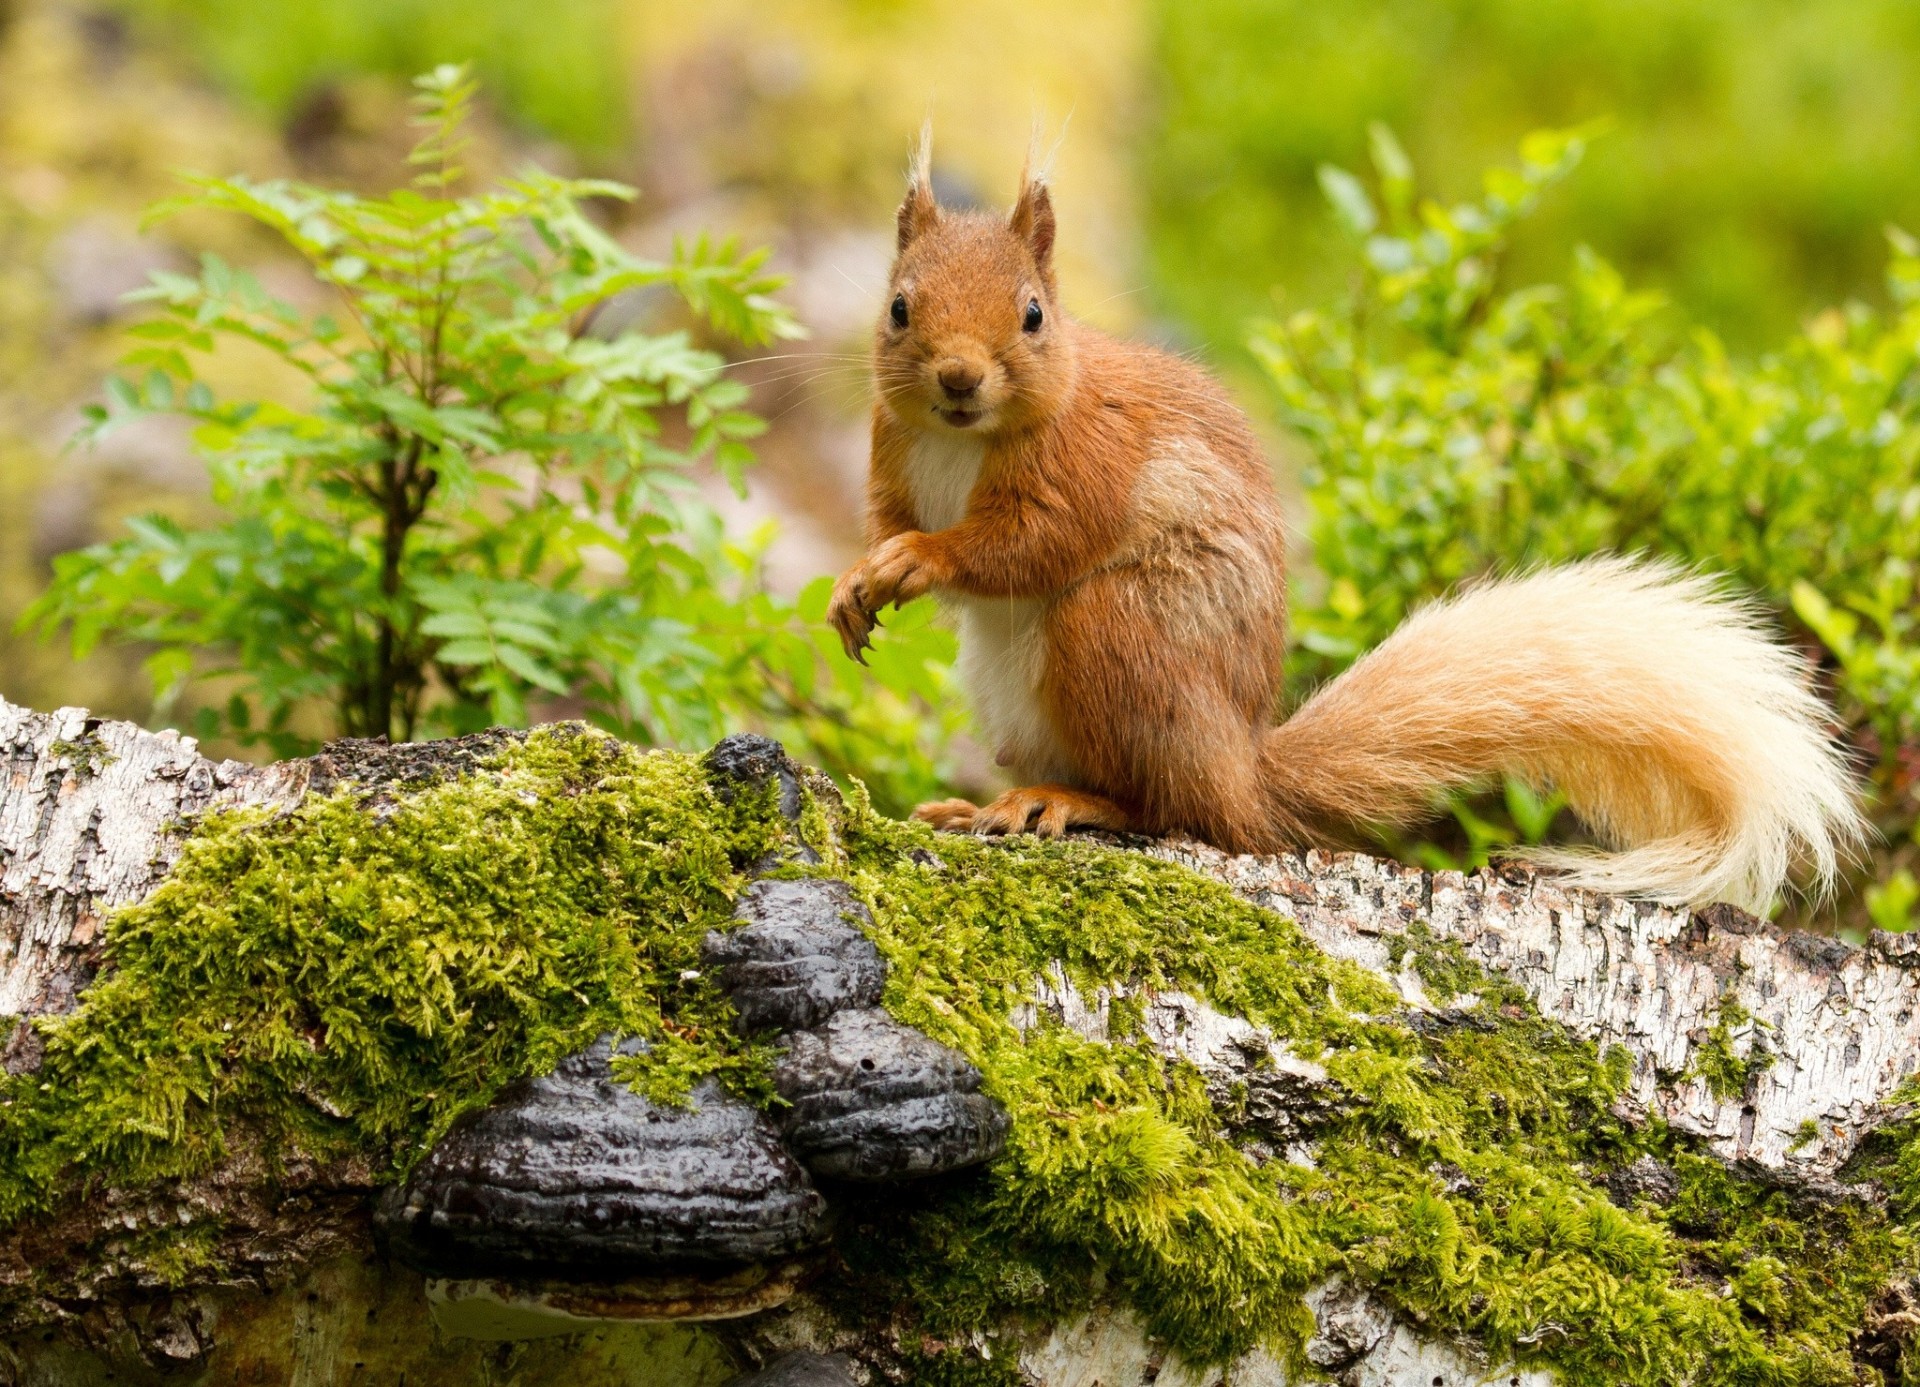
(1046, 810)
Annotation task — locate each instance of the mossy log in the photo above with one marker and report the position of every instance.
(1097, 1111)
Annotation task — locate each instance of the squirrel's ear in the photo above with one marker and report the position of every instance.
(919, 211)
(1032, 222)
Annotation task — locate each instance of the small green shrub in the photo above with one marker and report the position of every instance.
(1456, 428)
(480, 504)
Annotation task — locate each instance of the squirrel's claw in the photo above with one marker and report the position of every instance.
(855, 634)
(851, 613)
(1048, 811)
(892, 575)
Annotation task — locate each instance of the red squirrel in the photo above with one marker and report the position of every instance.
(1101, 519)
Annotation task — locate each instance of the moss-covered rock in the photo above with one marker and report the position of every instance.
(314, 995)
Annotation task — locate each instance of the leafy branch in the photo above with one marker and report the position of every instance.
(483, 502)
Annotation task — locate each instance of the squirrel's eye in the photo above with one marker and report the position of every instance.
(899, 310)
(1033, 319)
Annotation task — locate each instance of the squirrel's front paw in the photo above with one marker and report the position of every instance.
(851, 612)
(905, 567)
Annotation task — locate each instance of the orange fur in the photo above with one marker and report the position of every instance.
(1101, 518)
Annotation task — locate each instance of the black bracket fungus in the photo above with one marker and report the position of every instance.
(574, 1177)
(873, 1099)
(761, 765)
(574, 1197)
(802, 1368)
(796, 961)
(755, 762)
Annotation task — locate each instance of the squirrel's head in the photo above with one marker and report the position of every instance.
(971, 339)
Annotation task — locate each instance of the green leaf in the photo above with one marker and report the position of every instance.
(1836, 628)
(1394, 168)
(529, 667)
(455, 623)
(1890, 903)
(1349, 200)
(466, 652)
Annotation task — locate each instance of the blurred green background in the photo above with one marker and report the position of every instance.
(1753, 151)
(1744, 163)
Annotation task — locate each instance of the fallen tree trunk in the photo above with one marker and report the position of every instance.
(1451, 1129)
(1775, 1047)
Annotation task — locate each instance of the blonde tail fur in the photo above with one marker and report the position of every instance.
(1686, 739)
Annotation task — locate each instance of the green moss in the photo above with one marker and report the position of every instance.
(1726, 1074)
(175, 1257)
(330, 983)
(350, 978)
(1441, 965)
(85, 753)
(932, 1364)
(1817, 1266)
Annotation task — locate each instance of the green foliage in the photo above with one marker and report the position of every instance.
(553, 66)
(1480, 831)
(1456, 429)
(1755, 153)
(479, 503)
(1890, 903)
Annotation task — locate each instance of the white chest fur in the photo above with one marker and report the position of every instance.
(1003, 660)
(941, 472)
(1002, 640)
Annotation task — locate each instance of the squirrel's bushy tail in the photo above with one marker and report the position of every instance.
(1685, 738)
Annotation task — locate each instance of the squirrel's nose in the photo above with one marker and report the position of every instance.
(959, 378)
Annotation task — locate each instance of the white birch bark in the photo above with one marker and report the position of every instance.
(88, 810)
(1841, 1024)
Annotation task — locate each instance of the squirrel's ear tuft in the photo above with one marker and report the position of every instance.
(919, 211)
(1032, 221)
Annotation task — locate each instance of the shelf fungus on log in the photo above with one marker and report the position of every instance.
(875, 1100)
(670, 1212)
(797, 959)
(870, 1099)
